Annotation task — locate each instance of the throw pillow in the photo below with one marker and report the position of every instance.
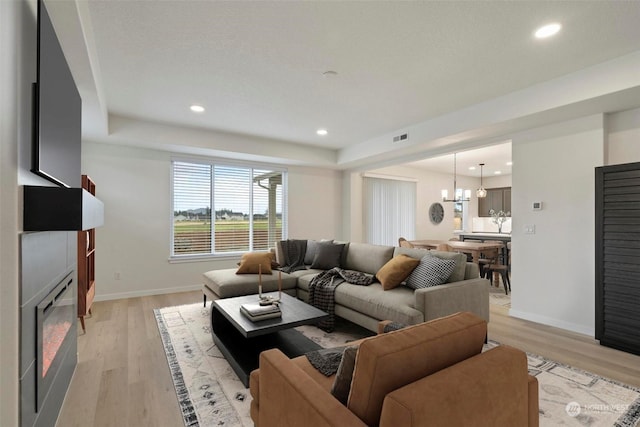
(396, 270)
(252, 262)
(327, 256)
(312, 248)
(431, 271)
(342, 383)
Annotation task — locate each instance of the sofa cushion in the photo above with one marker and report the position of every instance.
(342, 382)
(390, 361)
(328, 255)
(226, 283)
(396, 270)
(367, 258)
(254, 262)
(396, 304)
(431, 271)
(460, 259)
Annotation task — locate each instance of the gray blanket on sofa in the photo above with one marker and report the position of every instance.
(293, 252)
(322, 290)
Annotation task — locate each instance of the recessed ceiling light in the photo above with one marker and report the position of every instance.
(497, 172)
(547, 30)
(472, 168)
(509, 163)
(322, 132)
(197, 108)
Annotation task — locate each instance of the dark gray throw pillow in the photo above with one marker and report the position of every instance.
(312, 248)
(328, 255)
(431, 271)
(342, 383)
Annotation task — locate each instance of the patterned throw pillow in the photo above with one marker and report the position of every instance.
(431, 271)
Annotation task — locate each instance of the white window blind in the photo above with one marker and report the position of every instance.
(389, 211)
(226, 208)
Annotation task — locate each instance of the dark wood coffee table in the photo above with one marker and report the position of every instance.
(240, 340)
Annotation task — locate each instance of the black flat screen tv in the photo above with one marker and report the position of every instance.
(57, 133)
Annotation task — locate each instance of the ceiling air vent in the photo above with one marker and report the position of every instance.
(401, 138)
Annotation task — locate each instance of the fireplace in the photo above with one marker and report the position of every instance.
(55, 316)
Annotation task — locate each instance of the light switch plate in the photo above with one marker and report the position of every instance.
(530, 229)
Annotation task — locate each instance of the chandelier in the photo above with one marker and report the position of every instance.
(481, 192)
(458, 195)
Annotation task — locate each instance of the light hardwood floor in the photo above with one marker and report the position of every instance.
(122, 378)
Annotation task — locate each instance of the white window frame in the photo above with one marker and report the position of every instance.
(173, 258)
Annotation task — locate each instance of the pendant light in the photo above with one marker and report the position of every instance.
(457, 196)
(481, 192)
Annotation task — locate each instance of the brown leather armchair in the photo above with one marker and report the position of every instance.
(430, 374)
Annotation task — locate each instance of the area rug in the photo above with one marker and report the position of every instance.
(210, 394)
(498, 297)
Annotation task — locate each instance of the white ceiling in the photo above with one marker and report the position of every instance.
(496, 158)
(257, 66)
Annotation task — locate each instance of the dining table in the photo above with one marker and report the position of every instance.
(473, 248)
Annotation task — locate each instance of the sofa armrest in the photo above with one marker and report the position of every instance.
(442, 300)
(381, 325)
(290, 397)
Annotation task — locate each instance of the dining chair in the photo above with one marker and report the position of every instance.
(493, 265)
(404, 243)
(443, 247)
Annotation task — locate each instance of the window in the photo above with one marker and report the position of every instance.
(390, 210)
(460, 211)
(226, 208)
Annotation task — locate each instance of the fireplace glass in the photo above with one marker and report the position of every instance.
(55, 316)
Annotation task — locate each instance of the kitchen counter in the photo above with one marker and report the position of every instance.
(505, 237)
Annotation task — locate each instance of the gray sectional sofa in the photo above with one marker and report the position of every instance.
(367, 305)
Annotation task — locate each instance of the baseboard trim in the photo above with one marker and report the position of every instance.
(549, 321)
(147, 292)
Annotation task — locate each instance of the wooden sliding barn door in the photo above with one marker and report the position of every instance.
(618, 256)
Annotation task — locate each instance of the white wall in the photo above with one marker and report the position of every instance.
(553, 269)
(10, 19)
(134, 184)
(429, 187)
(623, 138)
(497, 181)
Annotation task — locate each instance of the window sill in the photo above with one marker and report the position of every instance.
(203, 258)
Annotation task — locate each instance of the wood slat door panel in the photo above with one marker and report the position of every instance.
(617, 254)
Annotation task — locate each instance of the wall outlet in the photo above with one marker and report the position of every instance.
(116, 275)
(530, 229)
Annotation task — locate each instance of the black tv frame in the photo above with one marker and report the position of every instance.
(57, 111)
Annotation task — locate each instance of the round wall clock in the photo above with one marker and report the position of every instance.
(436, 213)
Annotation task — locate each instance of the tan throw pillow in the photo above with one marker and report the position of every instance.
(396, 270)
(342, 383)
(250, 262)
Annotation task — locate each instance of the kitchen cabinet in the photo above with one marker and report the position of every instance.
(498, 199)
